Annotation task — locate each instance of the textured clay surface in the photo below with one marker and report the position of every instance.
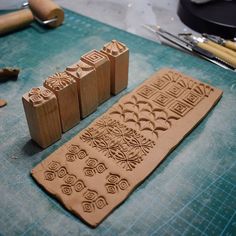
(96, 171)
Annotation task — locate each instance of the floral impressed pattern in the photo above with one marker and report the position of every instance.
(118, 142)
(58, 81)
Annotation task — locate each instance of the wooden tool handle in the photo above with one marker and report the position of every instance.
(220, 54)
(47, 10)
(15, 20)
(222, 48)
(231, 45)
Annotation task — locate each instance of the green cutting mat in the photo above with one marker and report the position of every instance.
(193, 192)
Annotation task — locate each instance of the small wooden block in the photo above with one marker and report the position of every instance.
(42, 114)
(118, 54)
(65, 89)
(102, 65)
(86, 78)
(97, 170)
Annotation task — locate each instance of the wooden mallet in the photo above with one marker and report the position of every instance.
(46, 12)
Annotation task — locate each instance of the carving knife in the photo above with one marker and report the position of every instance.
(189, 46)
(226, 43)
(214, 48)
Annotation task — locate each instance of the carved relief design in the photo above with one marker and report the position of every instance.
(180, 108)
(203, 89)
(162, 99)
(144, 116)
(118, 142)
(79, 69)
(93, 56)
(39, 95)
(93, 167)
(115, 183)
(114, 47)
(75, 152)
(58, 81)
(71, 182)
(93, 201)
(146, 91)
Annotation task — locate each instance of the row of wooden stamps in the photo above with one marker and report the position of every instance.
(71, 95)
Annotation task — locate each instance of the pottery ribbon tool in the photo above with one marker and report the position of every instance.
(46, 12)
(187, 43)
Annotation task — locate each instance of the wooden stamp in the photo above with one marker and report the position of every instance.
(102, 65)
(86, 78)
(42, 114)
(65, 89)
(118, 54)
(97, 170)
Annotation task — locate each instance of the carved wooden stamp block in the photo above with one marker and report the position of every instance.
(118, 54)
(42, 114)
(102, 65)
(65, 89)
(97, 170)
(86, 78)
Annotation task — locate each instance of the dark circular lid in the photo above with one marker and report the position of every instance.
(217, 17)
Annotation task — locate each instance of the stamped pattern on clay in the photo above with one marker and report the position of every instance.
(121, 148)
(93, 201)
(203, 89)
(146, 91)
(93, 166)
(116, 141)
(75, 152)
(55, 169)
(144, 116)
(115, 183)
(174, 92)
(58, 81)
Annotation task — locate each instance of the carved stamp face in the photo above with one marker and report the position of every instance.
(39, 95)
(79, 69)
(58, 81)
(114, 48)
(93, 57)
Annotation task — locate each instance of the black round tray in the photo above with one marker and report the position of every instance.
(217, 17)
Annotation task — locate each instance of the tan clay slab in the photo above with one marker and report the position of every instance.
(95, 171)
